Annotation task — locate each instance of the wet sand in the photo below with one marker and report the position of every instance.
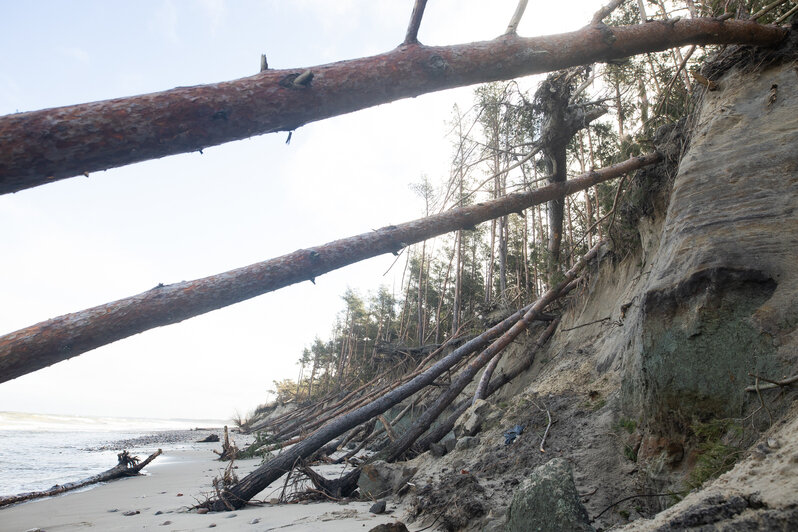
(162, 500)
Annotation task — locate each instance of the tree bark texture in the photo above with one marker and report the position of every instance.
(60, 338)
(38, 147)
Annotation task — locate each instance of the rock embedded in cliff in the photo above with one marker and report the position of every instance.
(547, 501)
(471, 421)
(437, 450)
(380, 478)
(467, 442)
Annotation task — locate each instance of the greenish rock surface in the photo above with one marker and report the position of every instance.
(697, 350)
(548, 502)
(720, 292)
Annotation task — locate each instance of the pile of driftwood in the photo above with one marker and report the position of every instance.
(317, 430)
(128, 466)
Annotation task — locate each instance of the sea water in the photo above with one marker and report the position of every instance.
(38, 451)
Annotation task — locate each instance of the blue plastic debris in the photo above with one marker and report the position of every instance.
(512, 434)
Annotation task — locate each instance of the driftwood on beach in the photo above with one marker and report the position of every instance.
(128, 466)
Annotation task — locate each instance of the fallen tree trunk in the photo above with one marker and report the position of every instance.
(398, 448)
(483, 388)
(343, 406)
(334, 488)
(240, 493)
(64, 337)
(40, 147)
(442, 429)
(127, 467)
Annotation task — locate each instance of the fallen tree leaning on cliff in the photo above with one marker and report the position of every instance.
(398, 448)
(492, 341)
(64, 337)
(128, 466)
(40, 147)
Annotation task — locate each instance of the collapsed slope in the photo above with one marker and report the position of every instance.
(647, 389)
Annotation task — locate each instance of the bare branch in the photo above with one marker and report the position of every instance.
(767, 9)
(786, 15)
(548, 427)
(415, 22)
(605, 11)
(512, 27)
(771, 383)
(667, 90)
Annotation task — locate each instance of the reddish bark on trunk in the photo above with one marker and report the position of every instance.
(41, 146)
(60, 338)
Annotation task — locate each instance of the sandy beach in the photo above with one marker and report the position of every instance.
(162, 498)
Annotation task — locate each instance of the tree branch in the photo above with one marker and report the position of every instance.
(415, 22)
(605, 11)
(767, 9)
(512, 27)
(40, 147)
(66, 336)
(771, 383)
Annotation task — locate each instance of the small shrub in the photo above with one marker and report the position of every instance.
(630, 453)
(630, 425)
(716, 454)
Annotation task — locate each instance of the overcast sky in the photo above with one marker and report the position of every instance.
(82, 242)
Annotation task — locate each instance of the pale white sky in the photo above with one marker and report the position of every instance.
(82, 242)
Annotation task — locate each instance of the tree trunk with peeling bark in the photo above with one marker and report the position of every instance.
(61, 338)
(39, 147)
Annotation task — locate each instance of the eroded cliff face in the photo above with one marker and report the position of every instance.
(720, 299)
(646, 378)
(720, 302)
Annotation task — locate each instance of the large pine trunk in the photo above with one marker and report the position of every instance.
(39, 147)
(66, 336)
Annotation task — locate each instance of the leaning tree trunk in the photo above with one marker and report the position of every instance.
(442, 429)
(561, 122)
(39, 147)
(398, 448)
(238, 494)
(66, 336)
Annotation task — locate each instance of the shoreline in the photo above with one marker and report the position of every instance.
(170, 486)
